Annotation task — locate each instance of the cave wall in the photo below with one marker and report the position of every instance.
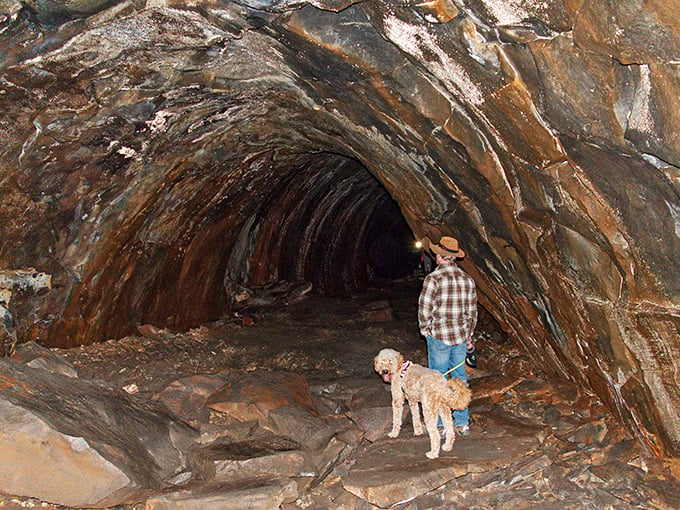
(155, 156)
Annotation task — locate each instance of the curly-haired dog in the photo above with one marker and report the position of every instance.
(429, 387)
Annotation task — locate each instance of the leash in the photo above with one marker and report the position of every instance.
(407, 364)
(454, 368)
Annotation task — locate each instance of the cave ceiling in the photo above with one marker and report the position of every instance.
(156, 157)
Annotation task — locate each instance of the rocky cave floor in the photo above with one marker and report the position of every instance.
(535, 443)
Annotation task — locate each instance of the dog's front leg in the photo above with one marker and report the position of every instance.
(397, 409)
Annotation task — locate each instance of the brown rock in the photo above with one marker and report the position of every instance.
(253, 395)
(276, 465)
(187, 397)
(128, 444)
(38, 461)
(378, 311)
(441, 10)
(256, 494)
(377, 394)
(300, 425)
(37, 356)
(591, 433)
(376, 422)
(149, 330)
(494, 386)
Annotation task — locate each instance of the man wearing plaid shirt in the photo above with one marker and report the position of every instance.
(447, 316)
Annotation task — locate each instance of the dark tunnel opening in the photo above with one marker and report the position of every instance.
(332, 224)
(390, 246)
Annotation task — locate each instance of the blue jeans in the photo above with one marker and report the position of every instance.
(442, 357)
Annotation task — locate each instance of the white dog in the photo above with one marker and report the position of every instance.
(429, 387)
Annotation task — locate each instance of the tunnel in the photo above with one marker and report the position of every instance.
(316, 217)
(320, 218)
(160, 158)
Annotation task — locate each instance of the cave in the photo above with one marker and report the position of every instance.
(167, 164)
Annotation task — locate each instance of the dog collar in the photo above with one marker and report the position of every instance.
(404, 368)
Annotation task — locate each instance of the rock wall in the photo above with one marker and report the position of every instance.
(155, 154)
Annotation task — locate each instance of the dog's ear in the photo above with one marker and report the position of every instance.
(400, 359)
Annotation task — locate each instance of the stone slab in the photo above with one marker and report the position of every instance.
(256, 495)
(52, 420)
(396, 470)
(252, 395)
(38, 461)
(280, 465)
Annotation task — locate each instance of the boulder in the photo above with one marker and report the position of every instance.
(376, 422)
(301, 426)
(278, 465)
(252, 395)
(37, 356)
(186, 397)
(79, 443)
(41, 462)
(370, 408)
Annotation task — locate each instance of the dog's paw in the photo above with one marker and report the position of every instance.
(418, 432)
(432, 455)
(447, 447)
(393, 434)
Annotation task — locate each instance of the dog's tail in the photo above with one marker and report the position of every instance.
(459, 396)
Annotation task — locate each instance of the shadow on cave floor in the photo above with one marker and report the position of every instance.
(535, 443)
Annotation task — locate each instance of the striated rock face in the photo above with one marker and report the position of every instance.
(78, 443)
(157, 156)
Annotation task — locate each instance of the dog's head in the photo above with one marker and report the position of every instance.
(387, 363)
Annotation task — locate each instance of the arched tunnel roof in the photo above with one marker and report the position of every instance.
(157, 156)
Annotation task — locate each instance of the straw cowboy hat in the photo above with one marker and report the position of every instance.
(447, 247)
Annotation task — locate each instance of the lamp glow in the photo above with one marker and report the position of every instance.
(419, 245)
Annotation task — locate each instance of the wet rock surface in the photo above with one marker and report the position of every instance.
(309, 431)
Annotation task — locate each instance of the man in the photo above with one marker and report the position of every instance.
(447, 316)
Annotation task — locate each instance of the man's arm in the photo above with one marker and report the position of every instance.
(472, 310)
(425, 305)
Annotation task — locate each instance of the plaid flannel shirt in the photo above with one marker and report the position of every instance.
(447, 307)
